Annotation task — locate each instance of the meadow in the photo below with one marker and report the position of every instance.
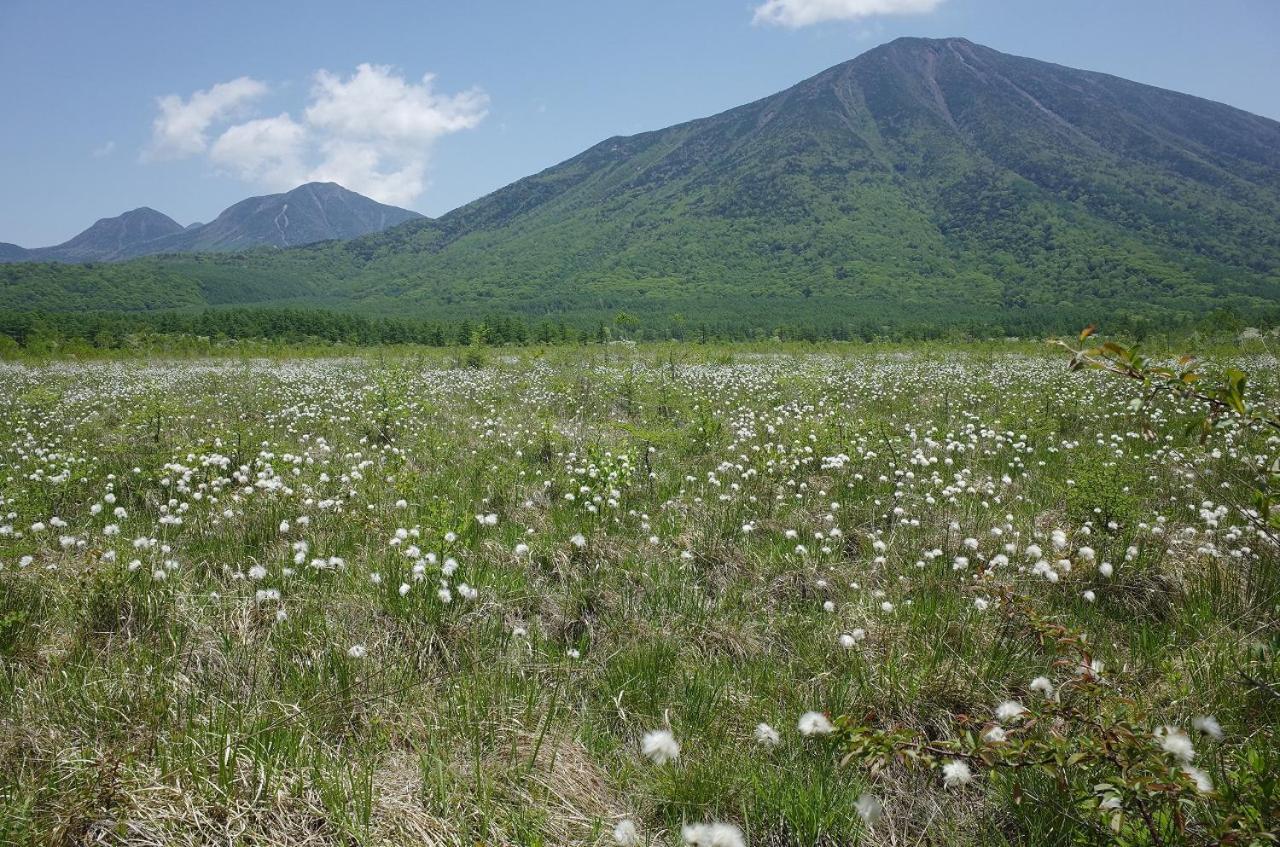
(619, 594)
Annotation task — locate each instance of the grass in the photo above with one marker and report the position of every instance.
(192, 707)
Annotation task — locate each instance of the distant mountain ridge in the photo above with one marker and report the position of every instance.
(930, 182)
(316, 211)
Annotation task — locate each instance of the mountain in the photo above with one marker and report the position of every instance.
(317, 211)
(107, 239)
(926, 182)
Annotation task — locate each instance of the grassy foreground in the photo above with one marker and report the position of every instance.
(398, 601)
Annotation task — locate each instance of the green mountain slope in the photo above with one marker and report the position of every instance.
(924, 181)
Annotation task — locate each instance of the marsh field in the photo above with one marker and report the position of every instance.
(638, 595)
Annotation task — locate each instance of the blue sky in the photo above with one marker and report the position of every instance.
(516, 86)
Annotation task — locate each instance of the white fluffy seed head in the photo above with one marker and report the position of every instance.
(712, 835)
(625, 834)
(766, 735)
(815, 723)
(660, 746)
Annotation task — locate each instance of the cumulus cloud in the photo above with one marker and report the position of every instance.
(798, 13)
(181, 128)
(268, 151)
(377, 129)
(371, 131)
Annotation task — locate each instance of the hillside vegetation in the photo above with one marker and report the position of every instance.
(932, 182)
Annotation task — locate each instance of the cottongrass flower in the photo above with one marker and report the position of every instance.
(815, 723)
(712, 835)
(1106, 569)
(850, 639)
(625, 834)
(767, 736)
(1209, 725)
(1042, 685)
(994, 735)
(357, 651)
(578, 540)
(1203, 783)
(660, 746)
(1176, 743)
(869, 808)
(956, 774)
(1009, 710)
(1089, 595)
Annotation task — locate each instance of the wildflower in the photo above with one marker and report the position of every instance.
(625, 834)
(522, 549)
(467, 592)
(980, 604)
(956, 773)
(1175, 742)
(445, 595)
(869, 808)
(1042, 685)
(712, 835)
(766, 735)
(660, 746)
(1106, 569)
(1089, 595)
(356, 651)
(403, 589)
(886, 606)
(573, 653)
(257, 572)
(578, 540)
(850, 639)
(1209, 725)
(1009, 710)
(994, 735)
(1203, 783)
(815, 723)
(1086, 553)
(284, 526)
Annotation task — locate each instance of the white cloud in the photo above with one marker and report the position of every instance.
(103, 150)
(375, 104)
(377, 129)
(798, 13)
(181, 128)
(365, 168)
(267, 151)
(371, 132)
